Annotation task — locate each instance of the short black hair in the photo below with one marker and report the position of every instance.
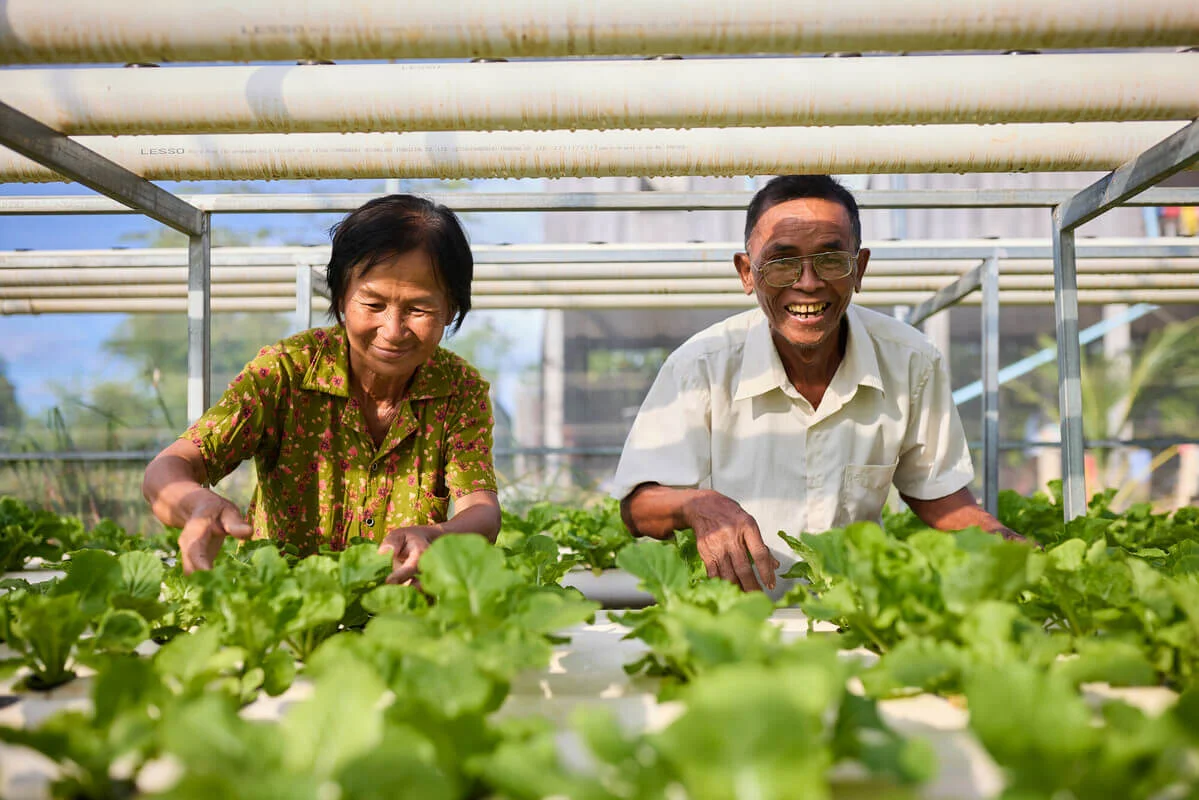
(785, 188)
(394, 225)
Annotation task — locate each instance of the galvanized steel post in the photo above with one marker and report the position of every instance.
(199, 320)
(1173, 154)
(1069, 369)
(303, 296)
(990, 377)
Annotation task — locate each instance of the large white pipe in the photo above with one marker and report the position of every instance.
(138, 305)
(315, 203)
(120, 290)
(148, 276)
(1178, 250)
(698, 151)
(595, 274)
(37, 31)
(537, 288)
(610, 94)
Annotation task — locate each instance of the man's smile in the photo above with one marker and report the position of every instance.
(807, 311)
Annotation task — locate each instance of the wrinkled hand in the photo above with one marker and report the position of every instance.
(1010, 535)
(727, 536)
(212, 519)
(406, 546)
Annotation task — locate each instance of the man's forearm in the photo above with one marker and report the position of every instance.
(955, 512)
(656, 511)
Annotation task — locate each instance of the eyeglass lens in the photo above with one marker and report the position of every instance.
(828, 266)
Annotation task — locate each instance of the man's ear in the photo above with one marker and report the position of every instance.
(860, 270)
(745, 271)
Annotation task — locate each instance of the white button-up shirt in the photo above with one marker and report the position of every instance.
(723, 415)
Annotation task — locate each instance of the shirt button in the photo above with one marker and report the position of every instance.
(370, 522)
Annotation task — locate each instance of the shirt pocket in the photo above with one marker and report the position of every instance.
(432, 509)
(864, 490)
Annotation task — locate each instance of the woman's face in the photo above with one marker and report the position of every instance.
(395, 316)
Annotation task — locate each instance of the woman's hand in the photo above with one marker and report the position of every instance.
(212, 518)
(406, 546)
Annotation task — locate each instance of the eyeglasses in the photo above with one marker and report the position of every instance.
(831, 266)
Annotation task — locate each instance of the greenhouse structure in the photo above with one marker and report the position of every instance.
(567, 659)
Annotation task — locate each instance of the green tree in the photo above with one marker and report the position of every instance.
(156, 346)
(483, 344)
(1157, 391)
(11, 414)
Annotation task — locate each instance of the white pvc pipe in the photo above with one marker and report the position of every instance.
(520, 274)
(1031, 297)
(235, 30)
(504, 258)
(331, 202)
(732, 301)
(549, 287)
(88, 276)
(98, 291)
(524, 260)
(163, 257)
(698, 151)
(610, 94)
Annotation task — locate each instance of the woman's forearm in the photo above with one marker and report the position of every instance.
(173, 484)
(478, 512)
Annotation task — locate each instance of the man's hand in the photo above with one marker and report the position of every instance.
(1010, 535)
(406, 546)
(726, 536)
(212, 518)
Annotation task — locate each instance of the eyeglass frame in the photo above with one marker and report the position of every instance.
(850, 263)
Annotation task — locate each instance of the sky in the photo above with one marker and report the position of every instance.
(44, 351)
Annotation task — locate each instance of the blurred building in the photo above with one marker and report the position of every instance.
(598, 365)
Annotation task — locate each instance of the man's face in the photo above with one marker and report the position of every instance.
(807, 315)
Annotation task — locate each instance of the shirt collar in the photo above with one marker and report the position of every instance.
(762, 369)
(860, 365)
(330, 369)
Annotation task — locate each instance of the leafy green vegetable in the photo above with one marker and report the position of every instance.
(594, 535)
(28, 533)
(1052, 745)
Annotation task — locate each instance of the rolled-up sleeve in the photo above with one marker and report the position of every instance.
(243, 422)
(935, 459)
(670, 442)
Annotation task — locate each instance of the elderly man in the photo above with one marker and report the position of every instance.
(800, 414)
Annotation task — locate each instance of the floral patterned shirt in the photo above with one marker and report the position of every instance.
(321, 479)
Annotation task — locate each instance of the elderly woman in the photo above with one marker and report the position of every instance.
(366, 428)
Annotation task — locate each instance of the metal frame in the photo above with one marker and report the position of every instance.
(521, 261)
(1171, 155)
(48, 147)
(990, 371)
(56, 151)
(585, 201)
(985, 277)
